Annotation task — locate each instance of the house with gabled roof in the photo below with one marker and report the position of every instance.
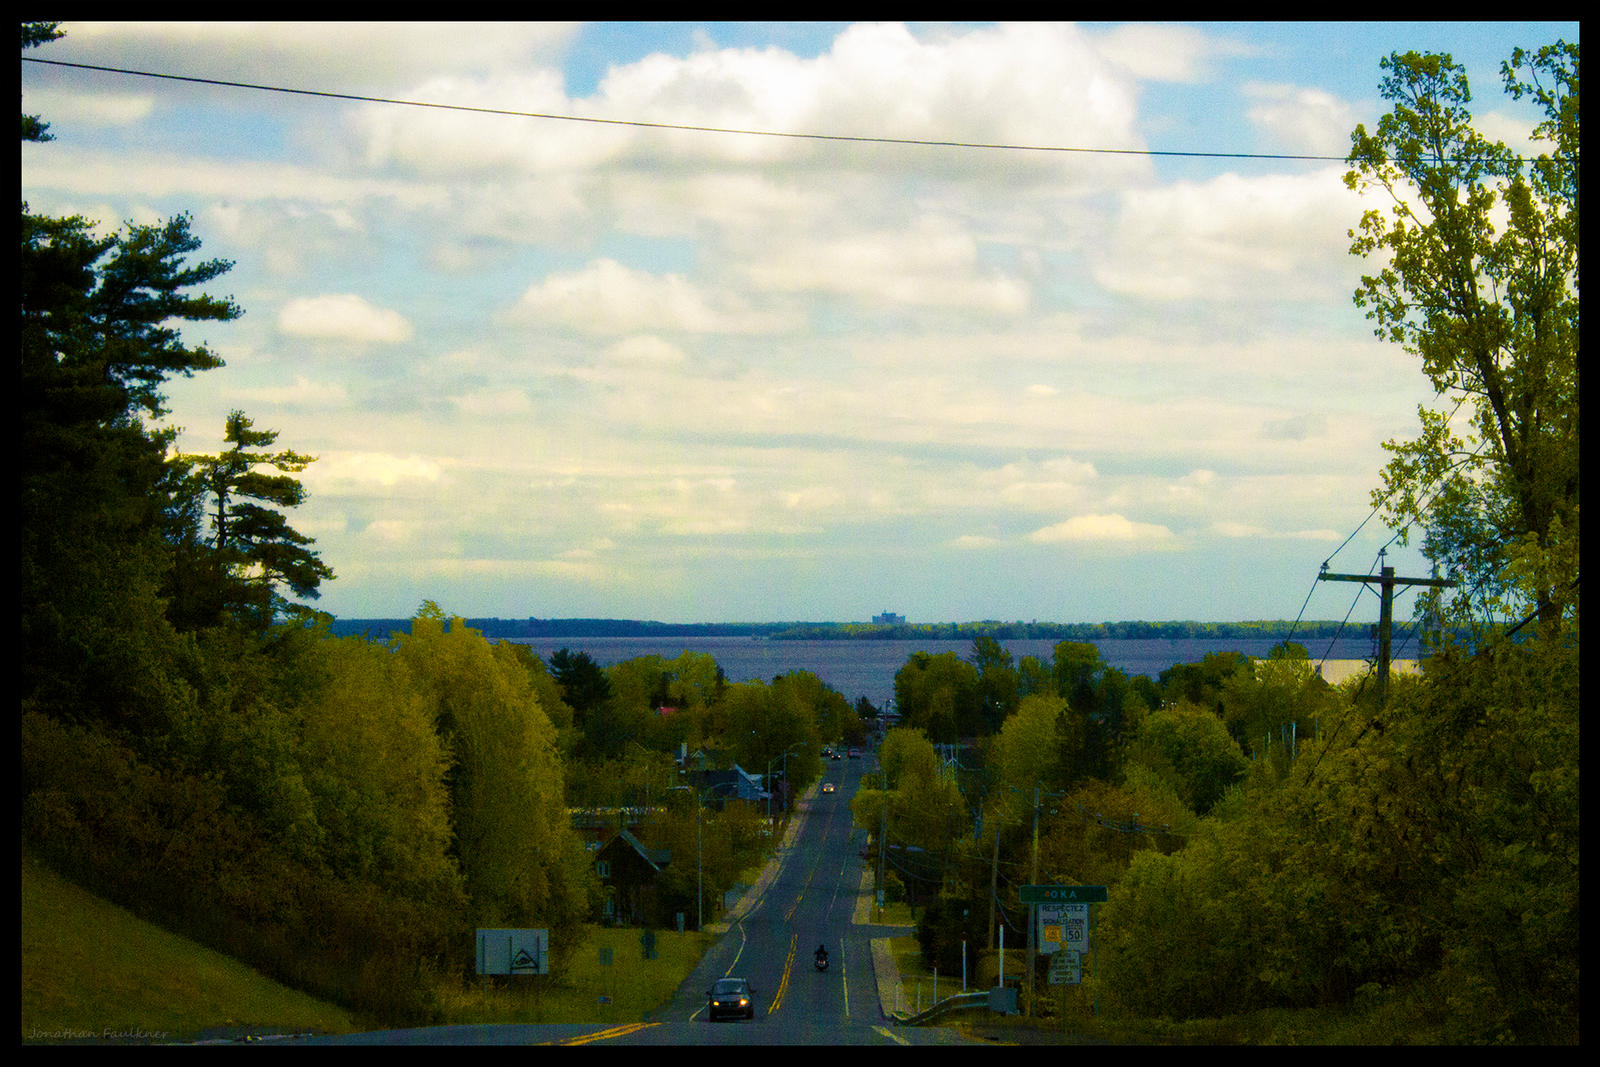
(630, 870)
(718, 786)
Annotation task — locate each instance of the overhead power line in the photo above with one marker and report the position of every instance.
(359, 98)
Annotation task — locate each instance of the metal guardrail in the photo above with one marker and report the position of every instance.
(959, 1002)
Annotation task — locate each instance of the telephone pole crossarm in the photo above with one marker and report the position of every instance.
(1403, 583)
(1387, 581)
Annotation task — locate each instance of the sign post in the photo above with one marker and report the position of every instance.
(1065, 920)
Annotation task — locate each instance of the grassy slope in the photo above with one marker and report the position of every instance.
(92, 970)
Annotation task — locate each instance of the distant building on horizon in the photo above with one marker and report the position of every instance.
(889, 618)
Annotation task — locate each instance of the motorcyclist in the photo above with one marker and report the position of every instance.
(821, 955)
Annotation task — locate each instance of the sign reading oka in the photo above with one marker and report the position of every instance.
(513, 952)
(1063, 894)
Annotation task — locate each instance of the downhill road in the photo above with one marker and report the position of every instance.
(812, 893)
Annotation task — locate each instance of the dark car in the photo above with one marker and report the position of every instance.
(730, 996)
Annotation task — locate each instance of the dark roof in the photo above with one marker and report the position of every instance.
(657, 858)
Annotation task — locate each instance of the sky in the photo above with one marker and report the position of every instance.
(554, 368)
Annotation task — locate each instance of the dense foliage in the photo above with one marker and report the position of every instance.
(196, 744)
(342, 811)
(1269, 842)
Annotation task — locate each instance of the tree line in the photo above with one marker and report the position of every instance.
(1407, 862)
(340, 811)
(198, 744)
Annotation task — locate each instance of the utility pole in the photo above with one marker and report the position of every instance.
(994, 887)
(1387, 581)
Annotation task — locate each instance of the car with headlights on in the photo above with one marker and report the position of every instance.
(827, 787)
(730, 997)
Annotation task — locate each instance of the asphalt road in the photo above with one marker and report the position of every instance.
(809, 898)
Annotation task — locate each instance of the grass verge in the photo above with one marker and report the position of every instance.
(628, 988)
(93, 972)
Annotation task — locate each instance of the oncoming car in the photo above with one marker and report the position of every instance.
(730, 996)
(827, 787)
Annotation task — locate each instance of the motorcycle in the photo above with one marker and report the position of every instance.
(821, 962)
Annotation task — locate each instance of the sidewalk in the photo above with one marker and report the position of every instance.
(891, 990)
(752, 896)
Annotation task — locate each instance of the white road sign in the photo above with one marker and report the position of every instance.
(513, 952)
(1063, 926)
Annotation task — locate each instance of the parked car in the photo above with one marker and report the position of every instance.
(730, 996)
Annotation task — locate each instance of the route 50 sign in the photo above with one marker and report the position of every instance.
(1063, 926)
(513, 952)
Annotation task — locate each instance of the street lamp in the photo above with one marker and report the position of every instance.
(767, 778)
(699, 852)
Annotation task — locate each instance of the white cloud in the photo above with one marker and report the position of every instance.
(607, 297)
(1165, 52)
(304, 393)
(1246, 530)
(646, 351)
(66, 110)
(932, 262)
(493, 403)
(1101, 528)
(364, 57)
(1303, 120)
(336, 472)
(1234, 238)
(343, 317)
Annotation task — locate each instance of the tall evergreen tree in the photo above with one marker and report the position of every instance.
(234, 546)
(99, 337)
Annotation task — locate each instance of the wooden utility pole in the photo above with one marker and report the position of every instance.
(1387, 581)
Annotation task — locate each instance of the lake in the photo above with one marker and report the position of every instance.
(867, 668)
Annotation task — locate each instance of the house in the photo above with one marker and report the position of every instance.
(629, 870)
(719, 785)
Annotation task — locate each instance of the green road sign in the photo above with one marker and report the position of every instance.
(1063, 894)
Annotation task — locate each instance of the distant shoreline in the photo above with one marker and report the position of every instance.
(858, 631)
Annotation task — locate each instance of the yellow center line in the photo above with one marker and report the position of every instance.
(604, 1035)
(783, 984)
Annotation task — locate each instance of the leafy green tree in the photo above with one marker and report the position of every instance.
(770, 725)
(925, 807)
(1192, 749)
(1031, 751)
(999, 683)
(1275, 705)
(1090, 836)
(940, 694)
(376, 769)
(1479, 254)
(513, 838)
(1077, 665)
(1201, 683)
